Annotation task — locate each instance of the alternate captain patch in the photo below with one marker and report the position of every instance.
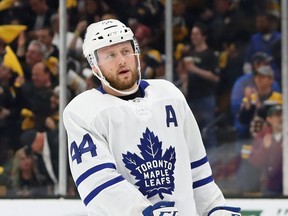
(154, 170)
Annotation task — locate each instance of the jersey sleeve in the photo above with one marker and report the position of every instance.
(102, 189)
(207, 194)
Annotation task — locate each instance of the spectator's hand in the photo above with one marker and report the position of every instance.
(189, 64)
(21, 44)
(248, 91)
(246, 103)
(19, 81)
(49, 123)
(81, 26)
(21, 40)
(38, 143)
(267, 140)
(4, 113)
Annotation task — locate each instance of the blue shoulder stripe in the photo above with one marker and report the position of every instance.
(199, 162)
(105, 185)
(92, 170)
(143, 84)
(202, 182)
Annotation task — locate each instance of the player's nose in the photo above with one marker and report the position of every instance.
(121, 59)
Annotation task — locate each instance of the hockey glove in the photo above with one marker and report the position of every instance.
(225, 211)
(161, 209)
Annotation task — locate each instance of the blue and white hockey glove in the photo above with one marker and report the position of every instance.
(161, 209)
(225, 211)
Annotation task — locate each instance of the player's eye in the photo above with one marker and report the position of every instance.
(126, 52)
(110, 56)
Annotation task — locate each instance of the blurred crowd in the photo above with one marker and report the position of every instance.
(227, 63)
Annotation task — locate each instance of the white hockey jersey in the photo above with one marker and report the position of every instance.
(125, 155)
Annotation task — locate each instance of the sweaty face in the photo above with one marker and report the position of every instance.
(118, 65)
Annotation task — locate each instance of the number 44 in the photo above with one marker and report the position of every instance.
(85, 146)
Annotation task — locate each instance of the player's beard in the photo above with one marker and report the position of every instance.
(123, 84)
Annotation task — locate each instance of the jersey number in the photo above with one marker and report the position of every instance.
(86, 145)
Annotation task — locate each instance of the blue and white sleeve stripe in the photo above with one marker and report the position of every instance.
(93, 170)
(101, 187)
(98, 189)
(205, 180)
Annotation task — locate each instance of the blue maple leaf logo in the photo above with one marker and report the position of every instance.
(154, 170)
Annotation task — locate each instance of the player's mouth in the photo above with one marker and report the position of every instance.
(124, 72)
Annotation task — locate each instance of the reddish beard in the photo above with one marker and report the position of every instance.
(125, 84)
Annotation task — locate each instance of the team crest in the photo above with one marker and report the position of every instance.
(154, 170)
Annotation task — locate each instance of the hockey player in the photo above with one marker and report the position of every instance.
(134, 145)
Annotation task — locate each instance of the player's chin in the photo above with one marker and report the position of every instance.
(125, 84)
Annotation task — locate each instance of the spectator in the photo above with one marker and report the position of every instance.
(10, 76)
(200, 65)
(145, 12)
(257, 101)
(180, 21)
(35, 53)
(92, 11)
(237, 94)
(109, 15)
(266, 153)
(52, 121)
(45, 35)
(227, 25)
(152, 64)
(230, 64)
(5, 7)
(39, 16)
(9, 113)
(8, 35)
(91, 80)
(263, 41)
(36, 98)
(75, 82)
(73, 39)
(44, 146)
(26, 180)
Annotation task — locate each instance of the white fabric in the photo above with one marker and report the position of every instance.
(47, 159)
(159, 128)
(69, 37)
